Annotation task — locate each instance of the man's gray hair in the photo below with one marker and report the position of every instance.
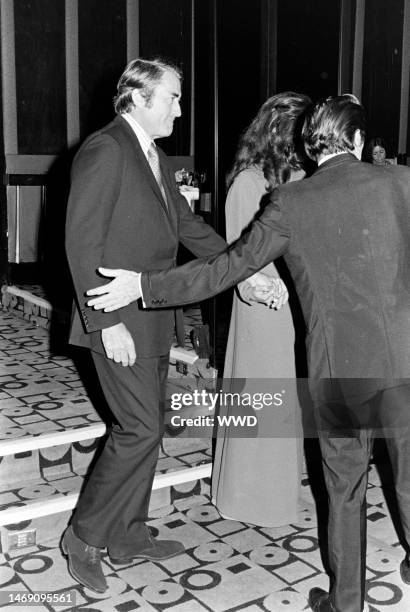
(143, 75)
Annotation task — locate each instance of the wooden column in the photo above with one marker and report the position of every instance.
(358, 50)
(346, 47)
(382, 69)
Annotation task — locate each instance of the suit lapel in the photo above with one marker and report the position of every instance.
(143, 162)
(167, 177)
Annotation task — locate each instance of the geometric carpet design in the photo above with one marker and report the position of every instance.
(227, 565)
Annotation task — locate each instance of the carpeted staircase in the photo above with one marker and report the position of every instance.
(51, 425)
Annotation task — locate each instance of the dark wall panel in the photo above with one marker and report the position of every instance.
(308, 47)
(40, 76)
(102, 31)
(348, 26)
(382, 55)
(239, 65)
(204, 89)
(165, 31)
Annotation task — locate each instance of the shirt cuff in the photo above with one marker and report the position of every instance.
(140, 290)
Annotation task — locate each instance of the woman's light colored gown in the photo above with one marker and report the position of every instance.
(257, 479)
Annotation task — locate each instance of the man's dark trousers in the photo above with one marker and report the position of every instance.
(346, 435)
(113, 507)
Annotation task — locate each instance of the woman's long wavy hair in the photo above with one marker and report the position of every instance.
(272, 140)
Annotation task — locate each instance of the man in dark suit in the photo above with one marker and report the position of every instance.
(125, 211)
(345, 236)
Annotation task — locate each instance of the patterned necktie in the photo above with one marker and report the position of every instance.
(153, 161)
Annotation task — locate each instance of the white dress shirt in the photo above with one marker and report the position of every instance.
(143, 138)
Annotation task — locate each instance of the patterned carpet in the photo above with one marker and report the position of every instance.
(227, 565)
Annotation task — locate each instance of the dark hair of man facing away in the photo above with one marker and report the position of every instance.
(143, 75)
(330, 125)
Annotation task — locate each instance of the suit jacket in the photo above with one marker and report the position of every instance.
(117, 218)
(345, 236)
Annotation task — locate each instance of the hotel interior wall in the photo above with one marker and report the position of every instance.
(61, 58)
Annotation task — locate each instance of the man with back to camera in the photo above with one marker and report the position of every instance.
(345, 235)
(125, 210)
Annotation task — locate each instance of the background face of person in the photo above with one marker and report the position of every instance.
(159, 115)
(378, 155)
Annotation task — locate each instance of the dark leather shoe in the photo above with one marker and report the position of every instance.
(84, 562)
(405, 570)
(319, 601)
(158, 550)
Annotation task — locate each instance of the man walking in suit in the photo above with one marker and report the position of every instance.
(345, 236)
(125, 211)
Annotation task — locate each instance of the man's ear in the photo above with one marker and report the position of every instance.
(358, 139)
(358, 143)
(138, 99)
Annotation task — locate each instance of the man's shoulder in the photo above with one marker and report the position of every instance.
(326, 176)
(287, 190)
(402, 172)
(110, 140)
(115, 130)
(389, 174)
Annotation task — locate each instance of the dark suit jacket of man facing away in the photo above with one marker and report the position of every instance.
(345, 236)
(131, 228)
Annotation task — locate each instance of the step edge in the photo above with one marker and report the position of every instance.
(37, 509)
(31, 297)
(61, 502)
(179, 476)
(178, 353)
(56, 438)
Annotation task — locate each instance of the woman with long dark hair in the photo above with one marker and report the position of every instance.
(257, 479)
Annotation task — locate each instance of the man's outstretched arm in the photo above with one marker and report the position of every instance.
(125, 288)
(267, 239)
(202, 278)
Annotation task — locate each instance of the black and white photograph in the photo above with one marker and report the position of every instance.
(205, 305)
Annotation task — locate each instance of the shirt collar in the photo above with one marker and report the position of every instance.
(143, 138)
(325, 158)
